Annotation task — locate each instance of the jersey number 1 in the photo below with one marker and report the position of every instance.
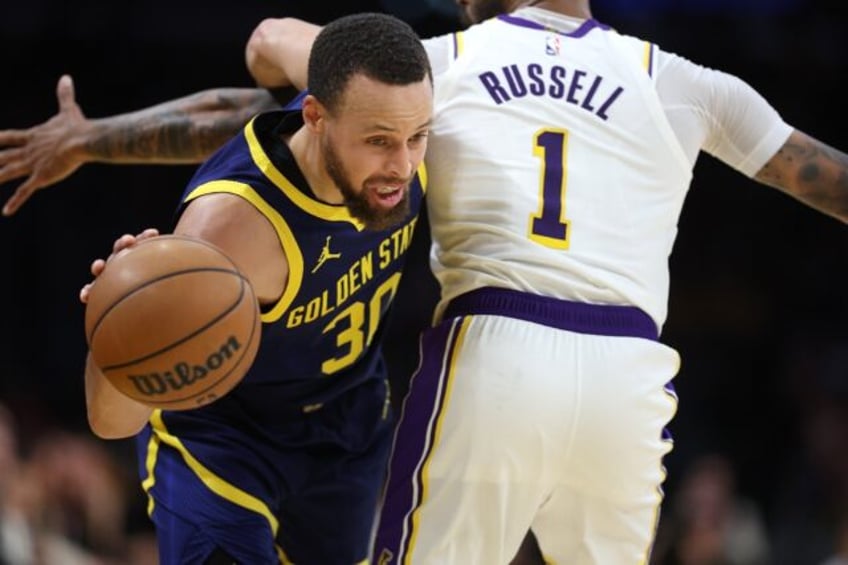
(549, 226)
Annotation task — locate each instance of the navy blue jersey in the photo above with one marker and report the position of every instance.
(316, 392)
(316, 338)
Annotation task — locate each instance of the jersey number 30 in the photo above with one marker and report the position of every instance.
(354, 336)
(549, 225)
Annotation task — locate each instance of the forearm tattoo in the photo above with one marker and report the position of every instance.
(184, 130)
(812, 172)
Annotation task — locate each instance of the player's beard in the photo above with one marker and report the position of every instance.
(357, 202)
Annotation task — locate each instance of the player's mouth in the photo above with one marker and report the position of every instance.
(388, 196)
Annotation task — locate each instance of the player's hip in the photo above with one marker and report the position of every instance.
(503, 375)
(237, 462)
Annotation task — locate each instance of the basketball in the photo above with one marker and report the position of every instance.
(172, 323)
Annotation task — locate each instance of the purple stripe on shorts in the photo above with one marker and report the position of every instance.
(596, 319)
(584, 28)
(651, 60)
(669, 390)
(414, 442)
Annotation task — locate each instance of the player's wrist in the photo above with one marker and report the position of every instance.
(82, 144)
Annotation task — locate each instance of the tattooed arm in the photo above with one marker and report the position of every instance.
(185, 130)
(814, 173)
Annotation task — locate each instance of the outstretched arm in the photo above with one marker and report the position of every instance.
(277, 53)
(811, 171)
(184, 130)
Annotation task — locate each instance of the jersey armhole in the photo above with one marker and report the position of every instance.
(294, 256)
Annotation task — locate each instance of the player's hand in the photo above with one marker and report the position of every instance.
(45, 153)
(122, 243)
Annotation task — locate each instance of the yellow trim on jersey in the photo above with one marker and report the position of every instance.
(301, 200)
(458, 44)
(648, 58)
(422, 177)
(215, 483)
(294, 257)
(149, 465)
(281, 555)
(437, 432)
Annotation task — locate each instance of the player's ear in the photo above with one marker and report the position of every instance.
(314, 113)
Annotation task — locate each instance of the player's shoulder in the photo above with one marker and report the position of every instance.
(665, 64)
(249, 151)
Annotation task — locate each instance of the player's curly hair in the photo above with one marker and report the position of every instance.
(380, 46)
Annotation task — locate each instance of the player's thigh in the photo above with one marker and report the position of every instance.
(330, 518)
(580, 529)
(332, 522)
(332, 526)
(243, 537)
(612, 474)
(626, 402)
(476, 432)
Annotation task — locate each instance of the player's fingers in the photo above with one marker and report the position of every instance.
(65, 92)
(147, 234)
(21, 195)
(123, 242)
(121, 245)
(13, 137)
(9, 155)
(12, 171)
(97, 267)
(84, 292)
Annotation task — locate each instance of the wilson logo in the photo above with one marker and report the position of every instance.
(184, 374)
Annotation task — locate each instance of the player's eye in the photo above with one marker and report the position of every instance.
(418, 137)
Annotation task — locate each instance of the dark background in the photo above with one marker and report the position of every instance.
(756, 306)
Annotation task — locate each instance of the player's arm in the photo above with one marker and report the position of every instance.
(184, 130)
(111, 414)
(277, 53)
(811, 171)
(245, 235)
(743, 130)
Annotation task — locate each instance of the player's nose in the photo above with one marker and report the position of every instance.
(400, 163)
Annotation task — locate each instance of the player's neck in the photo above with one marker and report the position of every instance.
(307, 152)
(572, 8)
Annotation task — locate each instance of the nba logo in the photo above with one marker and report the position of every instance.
(552, 45)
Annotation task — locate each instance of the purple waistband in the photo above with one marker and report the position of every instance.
(597, 319)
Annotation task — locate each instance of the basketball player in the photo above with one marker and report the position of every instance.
(556, 190)
(317, 208)
(560, 156)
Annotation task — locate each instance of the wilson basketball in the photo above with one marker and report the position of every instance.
(172, 323)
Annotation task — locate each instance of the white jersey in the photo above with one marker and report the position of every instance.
(575, 163)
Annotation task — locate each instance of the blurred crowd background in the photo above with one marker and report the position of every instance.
(759, 471)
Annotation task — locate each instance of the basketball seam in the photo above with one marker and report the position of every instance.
(145, 284)
(198, 269)
(199, 330)
(233, 368)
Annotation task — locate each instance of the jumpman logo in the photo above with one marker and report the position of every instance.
(326, 255)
